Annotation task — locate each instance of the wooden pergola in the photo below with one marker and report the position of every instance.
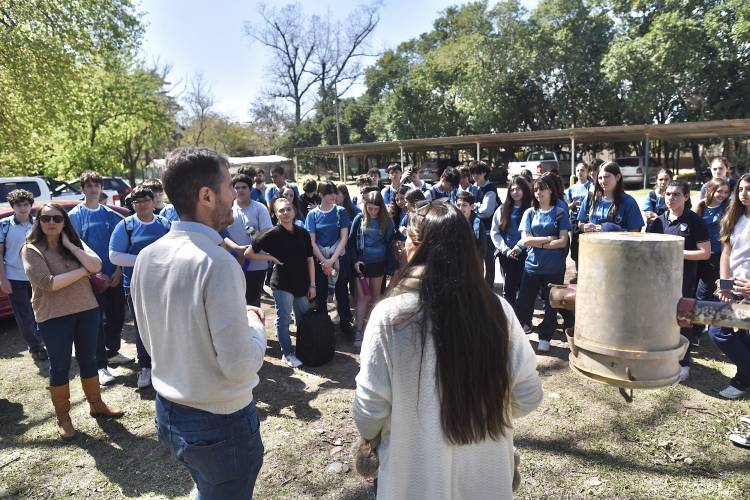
(715, 129)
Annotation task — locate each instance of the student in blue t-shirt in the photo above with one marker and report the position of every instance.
(712, 210)
(574, 197)
(679, 220)
(449, 180)
(128, 239)
(328, 226)
(488, 200)
(369, 244)
(720, 169)
(506, 236)
(465, 203)
(544, 234)
(389, 192)
(655, 204)
(610, 208)
(94, 224)
(279, 181)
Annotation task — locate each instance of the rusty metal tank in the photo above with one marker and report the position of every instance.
(626, 333)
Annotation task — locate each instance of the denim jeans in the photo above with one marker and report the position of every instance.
(285, 302)
(59, 334)
(112, 307)
(144, 360)
(736, 346)
(223, 453)
(342, 291)
(20, 301)
(487, 254)
(531, 285)
(512, 272)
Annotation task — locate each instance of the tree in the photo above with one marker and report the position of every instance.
(269, 123)
(198, 102)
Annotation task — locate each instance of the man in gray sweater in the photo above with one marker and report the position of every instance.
(206, 345)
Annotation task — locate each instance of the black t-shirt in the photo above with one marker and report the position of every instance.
(292, 249)
(690, 226)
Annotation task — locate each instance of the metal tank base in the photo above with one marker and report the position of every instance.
(626, 369)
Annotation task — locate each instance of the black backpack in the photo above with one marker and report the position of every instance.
(316, 342)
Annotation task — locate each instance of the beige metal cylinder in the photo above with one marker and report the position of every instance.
(626, 333)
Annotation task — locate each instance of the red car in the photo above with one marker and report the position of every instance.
(5, 309)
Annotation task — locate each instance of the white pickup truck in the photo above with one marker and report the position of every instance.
(540, 162)
(40, 188)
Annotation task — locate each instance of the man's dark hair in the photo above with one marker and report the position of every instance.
(243, 178)
(374, 170)
(466, 197)
(464, 171)
(450, 175)
(309, 186)
(479, 167)
(89, 176)
(153, 184)
(19, 196)
(326, 187)
(247, 170)
(188, 170)
(278, 169)
(392, 167)
(141, 191)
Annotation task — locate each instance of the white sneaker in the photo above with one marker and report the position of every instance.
(684, 373)
(105, 378)
(543, 346)
(527, 329)
(291, 360)
(119, 359)
(731, 392)
(144, 378)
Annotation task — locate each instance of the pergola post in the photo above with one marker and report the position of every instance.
(402, 157)
(479, 152)
(646, 150)
(573, 161)
(343, 169)
(296, 167)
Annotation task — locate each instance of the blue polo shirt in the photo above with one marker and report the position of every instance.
(712, 218)
(628, 215)
(95, 228)
(142, 234)
(545, 261)
(654, 202)
(326, 226)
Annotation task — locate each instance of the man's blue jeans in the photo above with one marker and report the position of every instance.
(285, 302)
(736, 346)
(223, 453)
(20, 300)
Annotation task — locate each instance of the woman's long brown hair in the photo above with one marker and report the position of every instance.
(734, 212)
(713, 186)
(466, 322)
(38, 238)
(507, 209)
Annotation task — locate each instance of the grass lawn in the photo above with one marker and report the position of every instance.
(584, 440)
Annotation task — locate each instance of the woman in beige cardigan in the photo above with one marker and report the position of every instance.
(446, 368)
(58, 265)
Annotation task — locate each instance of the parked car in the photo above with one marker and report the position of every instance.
(5, 308)
(632, 168)
(111, 184)
(539, 162)
(40, 188)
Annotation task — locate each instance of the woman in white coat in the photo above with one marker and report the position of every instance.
(445, 369)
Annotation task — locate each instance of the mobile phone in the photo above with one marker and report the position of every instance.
(726, 284)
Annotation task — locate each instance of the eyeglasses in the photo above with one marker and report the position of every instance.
(57, 219)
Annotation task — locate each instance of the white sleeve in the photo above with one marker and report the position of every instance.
(497, 237)
(526, 389)
(122, 259)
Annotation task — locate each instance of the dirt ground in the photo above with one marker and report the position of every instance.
(584, 441)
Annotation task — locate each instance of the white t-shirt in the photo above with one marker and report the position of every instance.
(739, 258)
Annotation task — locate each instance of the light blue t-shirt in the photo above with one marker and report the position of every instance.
(577, 192)
(628, 216)
(326, 226)
(258, 195)
(273, 190)
(545, 261)
(656, 203)
(169, 213)
(248, 223)
(389, 194)
(142, 234)
(13, 235)
(371, 244)
(95, 228)
(712, 218)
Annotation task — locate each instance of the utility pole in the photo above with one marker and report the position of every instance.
(342, 164)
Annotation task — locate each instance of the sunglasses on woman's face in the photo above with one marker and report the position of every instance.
(57, 219)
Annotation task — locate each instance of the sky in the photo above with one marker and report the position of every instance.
(201, 36)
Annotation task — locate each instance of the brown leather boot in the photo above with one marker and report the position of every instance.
(61, 401)
(97, 407)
